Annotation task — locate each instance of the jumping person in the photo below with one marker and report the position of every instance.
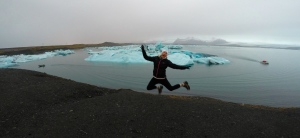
(159, 72)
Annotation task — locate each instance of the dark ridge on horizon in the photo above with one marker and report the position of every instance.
(190, 41)
(42, 49)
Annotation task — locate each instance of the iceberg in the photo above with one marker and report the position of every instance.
(133, 54)
(7, 64)
(158, 46)
(175, 47)
(9, 61)
(62, 52)
(211, 60)
(180, 59)
(120, 54)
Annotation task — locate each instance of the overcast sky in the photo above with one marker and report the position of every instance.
(53, 22)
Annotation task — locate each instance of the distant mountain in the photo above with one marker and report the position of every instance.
(218, 42)
(192, 41)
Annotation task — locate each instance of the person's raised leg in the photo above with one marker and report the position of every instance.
(151, 85)
(185, 84)
(166, 83)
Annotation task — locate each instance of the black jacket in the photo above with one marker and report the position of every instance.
(160, 65)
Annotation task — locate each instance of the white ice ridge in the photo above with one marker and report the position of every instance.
(133, 54)
(9, 61)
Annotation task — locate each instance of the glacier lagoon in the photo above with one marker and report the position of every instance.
(241, 79)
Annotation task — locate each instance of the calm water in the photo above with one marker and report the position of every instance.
(244, 80)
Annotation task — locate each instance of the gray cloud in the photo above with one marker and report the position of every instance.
(51, 22)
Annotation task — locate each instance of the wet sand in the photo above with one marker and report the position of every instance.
(35, 104)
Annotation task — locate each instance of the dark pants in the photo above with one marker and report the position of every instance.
(164, 82)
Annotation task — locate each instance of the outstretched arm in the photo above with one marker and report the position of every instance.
(174, 66)
(145, 54)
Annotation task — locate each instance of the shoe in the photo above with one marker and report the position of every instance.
(160, 89)
(186, 85)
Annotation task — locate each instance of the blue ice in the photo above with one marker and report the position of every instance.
(10, 61)
(124, 54)
(133, 54)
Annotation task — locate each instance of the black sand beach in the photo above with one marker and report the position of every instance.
(35, 104)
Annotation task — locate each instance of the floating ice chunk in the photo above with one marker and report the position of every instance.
(211, 60)
(7, 64)
(28, 58)
(175, 47)
(133, 54)
(219, 60)
(180, 59)
(197, 55)
(64, 52)
(8, 61)
(120, 56)
(158, 46)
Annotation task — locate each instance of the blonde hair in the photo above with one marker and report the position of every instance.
(162, 52)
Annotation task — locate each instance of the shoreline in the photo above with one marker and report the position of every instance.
(35, 104)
